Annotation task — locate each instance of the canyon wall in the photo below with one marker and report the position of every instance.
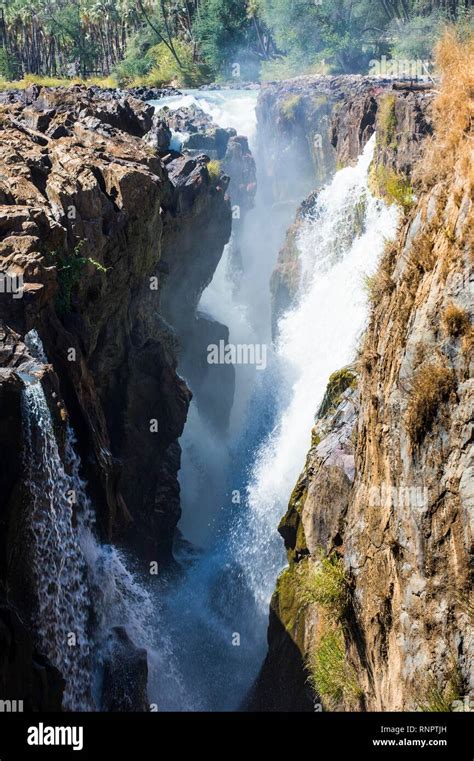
(98, 225)
(374, 611)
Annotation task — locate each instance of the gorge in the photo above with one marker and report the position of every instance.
(142, 486)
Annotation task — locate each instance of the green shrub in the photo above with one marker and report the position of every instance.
(9, 67)
(326, 585)
(392, 186)
(69, 269)
(165, 69)
(330, 675)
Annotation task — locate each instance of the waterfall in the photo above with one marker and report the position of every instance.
(338, 244)
(217, 615)
(58, 565)
(82, 588)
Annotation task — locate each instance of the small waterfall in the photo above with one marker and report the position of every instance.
(57, 562)
(81, 587)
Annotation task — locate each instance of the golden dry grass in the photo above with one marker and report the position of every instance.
(455, 320)
(453, 112)
(431, 386)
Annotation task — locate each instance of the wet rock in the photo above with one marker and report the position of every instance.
(125, 675)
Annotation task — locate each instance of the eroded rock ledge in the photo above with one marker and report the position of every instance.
(94, 221)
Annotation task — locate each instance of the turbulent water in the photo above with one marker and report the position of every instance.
(216, 617)
(82, 588)
(205, 632)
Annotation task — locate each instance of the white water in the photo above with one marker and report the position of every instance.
(317, 337)
(228, 108)
(57, 562)
(81, 587)
(228, 590)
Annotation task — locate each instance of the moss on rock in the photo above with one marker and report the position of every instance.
(339, 382)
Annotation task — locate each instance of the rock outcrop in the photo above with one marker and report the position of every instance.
(94, 219)
(353, 108)
(233, 167)
(375, 609)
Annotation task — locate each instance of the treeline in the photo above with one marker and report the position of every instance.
(192, 41)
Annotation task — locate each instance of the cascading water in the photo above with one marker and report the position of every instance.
(83, 589)
(216, 616)
(338, 245)
(58, 564)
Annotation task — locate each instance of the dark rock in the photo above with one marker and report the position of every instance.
(125, 675)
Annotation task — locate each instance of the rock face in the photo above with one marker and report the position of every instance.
(353, 108)
(377, 598)
(189, 273)
(93, 221)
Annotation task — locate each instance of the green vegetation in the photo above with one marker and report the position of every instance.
(438, 699)
(289, 107)
(330, 675)
(325, 585)
(432, 385)
(162, 41)
(70, 268)
(339, 382)
(394, 187)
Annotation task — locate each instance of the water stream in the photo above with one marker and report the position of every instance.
(205, 631)
(216, 616)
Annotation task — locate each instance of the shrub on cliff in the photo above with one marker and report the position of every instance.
(431, 386)
(325, 585)
(338, 382)
(330, 674)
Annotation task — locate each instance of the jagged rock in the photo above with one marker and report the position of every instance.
(159, 135)
(103, 198)
(100, 230)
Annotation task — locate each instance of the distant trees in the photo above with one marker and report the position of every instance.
(192, 39)
(346, 34)
(61, 37)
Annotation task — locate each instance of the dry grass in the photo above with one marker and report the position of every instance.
(432, 385)
(381, 282)
(33, 79)
(422, 252)
(455, 320)
(453, 112)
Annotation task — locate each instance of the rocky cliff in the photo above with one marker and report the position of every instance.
(326, 122)
(374, 611)
(98, 227)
